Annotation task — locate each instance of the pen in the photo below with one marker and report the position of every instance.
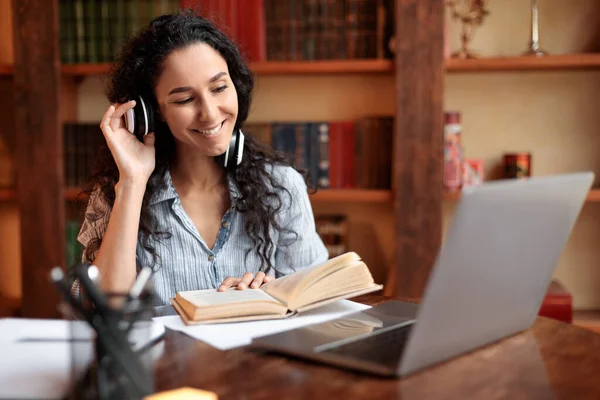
(58, 279)
(140, 282)
(99, 300)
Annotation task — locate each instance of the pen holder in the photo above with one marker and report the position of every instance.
(118, 362)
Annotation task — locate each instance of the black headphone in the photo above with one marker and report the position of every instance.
(140, 121)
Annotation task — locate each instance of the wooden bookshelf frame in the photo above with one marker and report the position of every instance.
(383, 66)
(525, 63)
(487, 64)
(321, 196)
(6, 70)
(269, 67)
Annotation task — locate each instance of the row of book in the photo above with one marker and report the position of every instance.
(92, 30)
(81, 142)
(333, 230)
(265, 30)
(298, 30)
(337, 154)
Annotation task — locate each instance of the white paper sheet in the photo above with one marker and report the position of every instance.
(231, 335)
(35, 356)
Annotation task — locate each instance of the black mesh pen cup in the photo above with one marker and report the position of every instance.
(118, 363)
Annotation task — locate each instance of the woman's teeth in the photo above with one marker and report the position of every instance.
(212, 131)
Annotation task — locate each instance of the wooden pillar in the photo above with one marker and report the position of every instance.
(418, 192)
(38, 151)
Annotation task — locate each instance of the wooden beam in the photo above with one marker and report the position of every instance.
(38, 151)
(418, 142)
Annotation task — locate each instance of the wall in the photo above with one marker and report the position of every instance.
(553, 115)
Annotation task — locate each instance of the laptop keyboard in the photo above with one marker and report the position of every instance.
(383, 348)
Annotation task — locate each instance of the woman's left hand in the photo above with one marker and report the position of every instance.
(248, 280)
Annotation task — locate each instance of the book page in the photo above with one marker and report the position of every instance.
(210, 297)
(208, 304)
(353, 278)
(286, 288)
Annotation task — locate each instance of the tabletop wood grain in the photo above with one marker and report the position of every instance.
(550, 360)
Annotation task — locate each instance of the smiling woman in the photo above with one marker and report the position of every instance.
(166, 199)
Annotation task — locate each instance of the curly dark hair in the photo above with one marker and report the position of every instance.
(135, 72)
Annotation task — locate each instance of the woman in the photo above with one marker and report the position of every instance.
(166, 201)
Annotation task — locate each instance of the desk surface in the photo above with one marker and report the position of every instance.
(550, 360)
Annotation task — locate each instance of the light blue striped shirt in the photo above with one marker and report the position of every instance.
(187, 263)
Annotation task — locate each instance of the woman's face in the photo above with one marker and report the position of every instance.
(197, 99)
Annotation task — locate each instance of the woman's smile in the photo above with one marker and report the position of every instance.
(213, 132)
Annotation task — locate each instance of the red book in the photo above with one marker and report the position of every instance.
(557, 304)
(251, 29)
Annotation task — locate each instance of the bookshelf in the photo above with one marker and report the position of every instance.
(322, 195)
(8, 194)
(269, 67)
(579, 61)
(6, 70)
(523, 63)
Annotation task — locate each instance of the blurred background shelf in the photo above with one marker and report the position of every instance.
(8, 194)
(593, 196)
(352, 195)
(524, 63)
(322, 195)
(269, 67)
(6, 69)
(518, 63)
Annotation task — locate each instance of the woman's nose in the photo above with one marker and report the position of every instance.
(208, 111)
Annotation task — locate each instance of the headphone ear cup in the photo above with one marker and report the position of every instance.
(239, 148)
(140, 120)
(130, 123)
(233, 156)
(151, 114)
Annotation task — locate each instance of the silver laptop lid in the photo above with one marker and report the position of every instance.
(495, 266)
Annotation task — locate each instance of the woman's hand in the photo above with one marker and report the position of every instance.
(134, 159)
(248, 280)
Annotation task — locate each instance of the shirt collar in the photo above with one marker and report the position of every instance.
(166, 190)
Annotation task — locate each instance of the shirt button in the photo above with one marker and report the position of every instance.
(211, 257)
(225, 224)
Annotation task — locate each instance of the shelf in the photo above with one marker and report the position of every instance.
(322, 67)
(352, 195)
(592, 197)
(11, 194)
(6, 69)
(270, 67)
(588, 319)
(322, 195)
(488, 64)
(73, 194)
(8, 194)
(524, 63)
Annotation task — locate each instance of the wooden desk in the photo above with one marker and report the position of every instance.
(550, 360)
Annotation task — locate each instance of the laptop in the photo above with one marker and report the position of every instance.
(488, 283)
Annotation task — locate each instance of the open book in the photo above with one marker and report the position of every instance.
(341, 277)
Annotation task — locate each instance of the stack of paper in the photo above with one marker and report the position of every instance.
(230, 335)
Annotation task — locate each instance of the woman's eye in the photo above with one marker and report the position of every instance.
(220, 89)
(181, 102)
